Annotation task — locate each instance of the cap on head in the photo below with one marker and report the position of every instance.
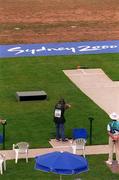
(114, 116)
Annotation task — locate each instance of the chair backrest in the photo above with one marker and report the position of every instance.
(21, 146)
(80, 133)
(79, 143)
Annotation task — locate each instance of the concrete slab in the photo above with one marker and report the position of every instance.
(114, 167)
(97, 86)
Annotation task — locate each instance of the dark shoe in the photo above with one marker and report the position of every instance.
(64, 140)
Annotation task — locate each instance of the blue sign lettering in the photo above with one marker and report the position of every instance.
(91, 47)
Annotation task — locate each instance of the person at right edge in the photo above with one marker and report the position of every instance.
(113, 132)
(59, 119)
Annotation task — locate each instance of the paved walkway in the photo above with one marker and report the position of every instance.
(90, 150)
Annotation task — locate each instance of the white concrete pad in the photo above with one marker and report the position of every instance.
(97, 86)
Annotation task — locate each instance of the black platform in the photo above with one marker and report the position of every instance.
(31, 95)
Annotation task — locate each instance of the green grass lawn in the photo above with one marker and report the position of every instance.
(25, 171)
(32, 121)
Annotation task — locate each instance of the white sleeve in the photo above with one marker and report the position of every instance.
(108, 128)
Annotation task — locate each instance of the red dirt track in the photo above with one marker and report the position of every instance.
(42, 21)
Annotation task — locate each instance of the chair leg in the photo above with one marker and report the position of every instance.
(16, 158)
(1, 169)
(74, 149)
(4, 165)
(83, 153)
(27, 157)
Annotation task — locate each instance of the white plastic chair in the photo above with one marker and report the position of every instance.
(2, 163)
(79, 144)
(21, 148)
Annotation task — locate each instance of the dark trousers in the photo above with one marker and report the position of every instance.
(60, 131)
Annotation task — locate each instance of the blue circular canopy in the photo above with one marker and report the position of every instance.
(61, 163)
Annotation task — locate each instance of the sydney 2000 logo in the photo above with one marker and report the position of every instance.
(59, 50)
